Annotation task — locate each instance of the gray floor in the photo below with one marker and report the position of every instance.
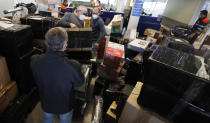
(36, 115)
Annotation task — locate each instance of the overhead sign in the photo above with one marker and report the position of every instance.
(137, 8)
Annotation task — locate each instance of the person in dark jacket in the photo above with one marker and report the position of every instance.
(98, 29)
(74, 20)
(56, 77)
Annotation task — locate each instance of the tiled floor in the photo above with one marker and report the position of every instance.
(36, 115)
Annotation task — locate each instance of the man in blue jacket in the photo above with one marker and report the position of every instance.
(56, 76)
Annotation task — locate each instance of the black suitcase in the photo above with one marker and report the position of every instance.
(100, 86)
(172, 71)
(79, 38)
(190, 113)
(156, 100)
(184, 47)
(79, 54)
(21, 72)
(39, 26)
(15, 42)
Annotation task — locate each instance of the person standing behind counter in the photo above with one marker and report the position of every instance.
(74, 20)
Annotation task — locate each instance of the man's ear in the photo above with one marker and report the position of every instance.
(65, 46)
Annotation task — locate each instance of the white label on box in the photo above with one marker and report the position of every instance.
(140, 43)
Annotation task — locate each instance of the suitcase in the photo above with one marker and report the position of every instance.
(156, 100)
(81, 92)
(184, 47)
(176, 70)
(191, 114)
(170, 76)
(100, 86)
(39, 26)
(79, 37)
(79, 54)
(7, 95)
(22, 73)
(15, 42)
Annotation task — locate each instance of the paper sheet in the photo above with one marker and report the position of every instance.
(6, 24)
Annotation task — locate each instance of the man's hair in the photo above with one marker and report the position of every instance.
(204, 12)
(81, 8)
(56, 38)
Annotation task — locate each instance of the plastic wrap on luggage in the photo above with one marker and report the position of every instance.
(180, 60)
(171, 77)
(180, 46)
(98, 111)
(81, 92)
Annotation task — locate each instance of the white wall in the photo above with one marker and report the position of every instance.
(4, 5)
(181, 10)
(197, 12)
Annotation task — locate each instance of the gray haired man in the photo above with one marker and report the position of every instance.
(56, 76)
(74, 20)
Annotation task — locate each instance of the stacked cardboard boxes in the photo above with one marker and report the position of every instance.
(113, 61)
(117, 24)
(153, 33)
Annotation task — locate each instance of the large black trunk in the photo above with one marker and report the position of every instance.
(15, 42)
(80, 38)
(170, 76)
(39, 26)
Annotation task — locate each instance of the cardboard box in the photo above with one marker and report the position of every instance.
(110, 117)
(115, 52)
(7, 95)
(4, 74)
(152, 33)
(152, 40)
(130, 34)
(117, 24)
(138, 45)
(87, 22)
(134, 113)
